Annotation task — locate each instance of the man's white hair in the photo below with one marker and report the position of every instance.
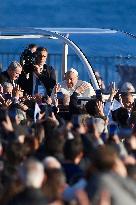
(32, 173)
(14, 65)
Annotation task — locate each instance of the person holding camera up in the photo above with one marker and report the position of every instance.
(42, 78)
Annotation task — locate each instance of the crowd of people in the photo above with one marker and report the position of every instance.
(56, 150)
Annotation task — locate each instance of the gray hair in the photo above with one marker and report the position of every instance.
(127, 87)
(14, 65)
(32, 173)
(7, 85)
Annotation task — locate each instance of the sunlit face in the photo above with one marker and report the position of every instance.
(41, 58)
(14, 73)
(128, 101)
(71, 79)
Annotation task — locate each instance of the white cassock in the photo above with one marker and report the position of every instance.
(69, 91)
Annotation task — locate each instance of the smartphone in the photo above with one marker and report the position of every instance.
(76, 120)
(99, 95)
(60, 98)
(60, 95)
(7, 96)
(112, 129)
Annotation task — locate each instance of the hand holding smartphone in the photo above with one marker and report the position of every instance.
(99, 95)
(60, 98)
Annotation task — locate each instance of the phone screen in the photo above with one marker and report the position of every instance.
(113, 129)
(7, 96)
(59, 95)
(99, 95)
(76, 120)
(60, 98)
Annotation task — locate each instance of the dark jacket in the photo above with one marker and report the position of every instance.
(4, 77)
(47, 78)
(29, 196)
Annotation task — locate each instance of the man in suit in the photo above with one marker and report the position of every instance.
(11, 75)
(41, 77)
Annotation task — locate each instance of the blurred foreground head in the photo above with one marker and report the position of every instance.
(32, 173)
(106, 159)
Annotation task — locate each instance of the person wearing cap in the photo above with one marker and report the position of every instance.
(71, 84)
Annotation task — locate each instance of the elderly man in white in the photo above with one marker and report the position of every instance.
(72, 84)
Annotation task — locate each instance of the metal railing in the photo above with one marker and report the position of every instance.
(109, 67)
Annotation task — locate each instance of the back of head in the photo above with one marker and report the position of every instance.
(91, 107)
(104, 158)
(127, 87)
(122, 115)
(40, 49)
(54, 144)
(73, 148)
(32, 45)
(55, 185)
(32, 173)
(51, 163)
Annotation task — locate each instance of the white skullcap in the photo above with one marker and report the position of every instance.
(73, 70)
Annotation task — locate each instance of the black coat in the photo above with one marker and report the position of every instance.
(4, 77)
(30, 196)
(47, 78)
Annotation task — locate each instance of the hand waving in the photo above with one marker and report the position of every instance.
(82, 88)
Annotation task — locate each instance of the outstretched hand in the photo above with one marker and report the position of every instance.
(82, 88)
(113, 91)
(7, 124)
(17, 91)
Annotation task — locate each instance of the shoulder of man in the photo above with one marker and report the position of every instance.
(4, 75)
(48, 68)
